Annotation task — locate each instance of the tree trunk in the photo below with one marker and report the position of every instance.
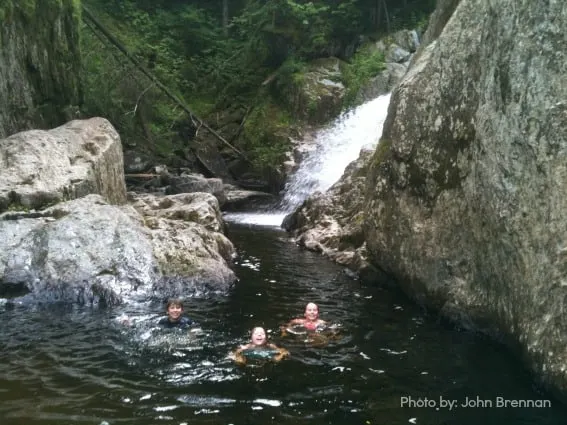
(386, 15)
(88, 15)
(142, 121)
(378, 16)
(225, 16)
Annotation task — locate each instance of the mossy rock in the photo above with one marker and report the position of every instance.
(311, 92)
(43, 80)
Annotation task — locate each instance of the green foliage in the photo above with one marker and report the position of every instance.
(266, 135)
(227, 72)
(292, 70)
(185, 45)
(365, 64)
(278, 28)
(37, 9)
(26, 8)
(408, 14)
(289, 77)
(116, 89)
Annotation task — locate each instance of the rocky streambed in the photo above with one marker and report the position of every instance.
(71, 232)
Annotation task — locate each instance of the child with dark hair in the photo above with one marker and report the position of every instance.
(175, 317)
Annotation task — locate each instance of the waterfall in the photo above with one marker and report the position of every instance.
(334, 147)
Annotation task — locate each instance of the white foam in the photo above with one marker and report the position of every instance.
(268, 402)
(257, 219)
(335, 147)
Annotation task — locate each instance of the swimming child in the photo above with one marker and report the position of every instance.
(175, 318)
(310, 321)
(259, 348)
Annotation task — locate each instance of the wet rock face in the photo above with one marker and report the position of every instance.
(331, 222)
(41, 168)
(84, 251)
(319, 97)
(466, 203)
(39, 63)
(87, 251)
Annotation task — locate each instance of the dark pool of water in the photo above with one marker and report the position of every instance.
(69, 365)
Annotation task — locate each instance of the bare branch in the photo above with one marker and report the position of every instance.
(138, 101)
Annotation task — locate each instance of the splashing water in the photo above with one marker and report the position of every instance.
(334, 148)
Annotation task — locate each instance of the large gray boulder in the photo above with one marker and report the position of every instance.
(191, 182)
(467, 202)
(197, 207)
(83, 251)
(86, 249)
(186, 234)
(41, 168)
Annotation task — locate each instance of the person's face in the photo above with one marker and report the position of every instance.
(259, 336)
(311, 312)
(174, 312)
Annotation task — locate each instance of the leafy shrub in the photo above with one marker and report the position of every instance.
(266, 135)
(364, 65)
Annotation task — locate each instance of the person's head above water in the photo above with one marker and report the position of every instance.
(309, 321)
(311, 312)
(174, 309)
(258, 336)
(259, 348)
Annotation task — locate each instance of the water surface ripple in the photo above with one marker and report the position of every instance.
(69, 365)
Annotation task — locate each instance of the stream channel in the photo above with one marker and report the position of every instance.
(391, 362)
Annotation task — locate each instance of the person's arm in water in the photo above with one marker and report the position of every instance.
(296, 321)
(239, 358)
(283, 353)
(291, 323)
(190, 323)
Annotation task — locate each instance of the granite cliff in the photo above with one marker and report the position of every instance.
(39, 63)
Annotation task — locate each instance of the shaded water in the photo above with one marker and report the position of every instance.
(81, 366)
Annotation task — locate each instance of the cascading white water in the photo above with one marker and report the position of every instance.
(334, 148)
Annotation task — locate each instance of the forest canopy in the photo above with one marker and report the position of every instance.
(216, 54)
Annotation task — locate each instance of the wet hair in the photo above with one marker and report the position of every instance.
(176, 302)
(313, 304)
